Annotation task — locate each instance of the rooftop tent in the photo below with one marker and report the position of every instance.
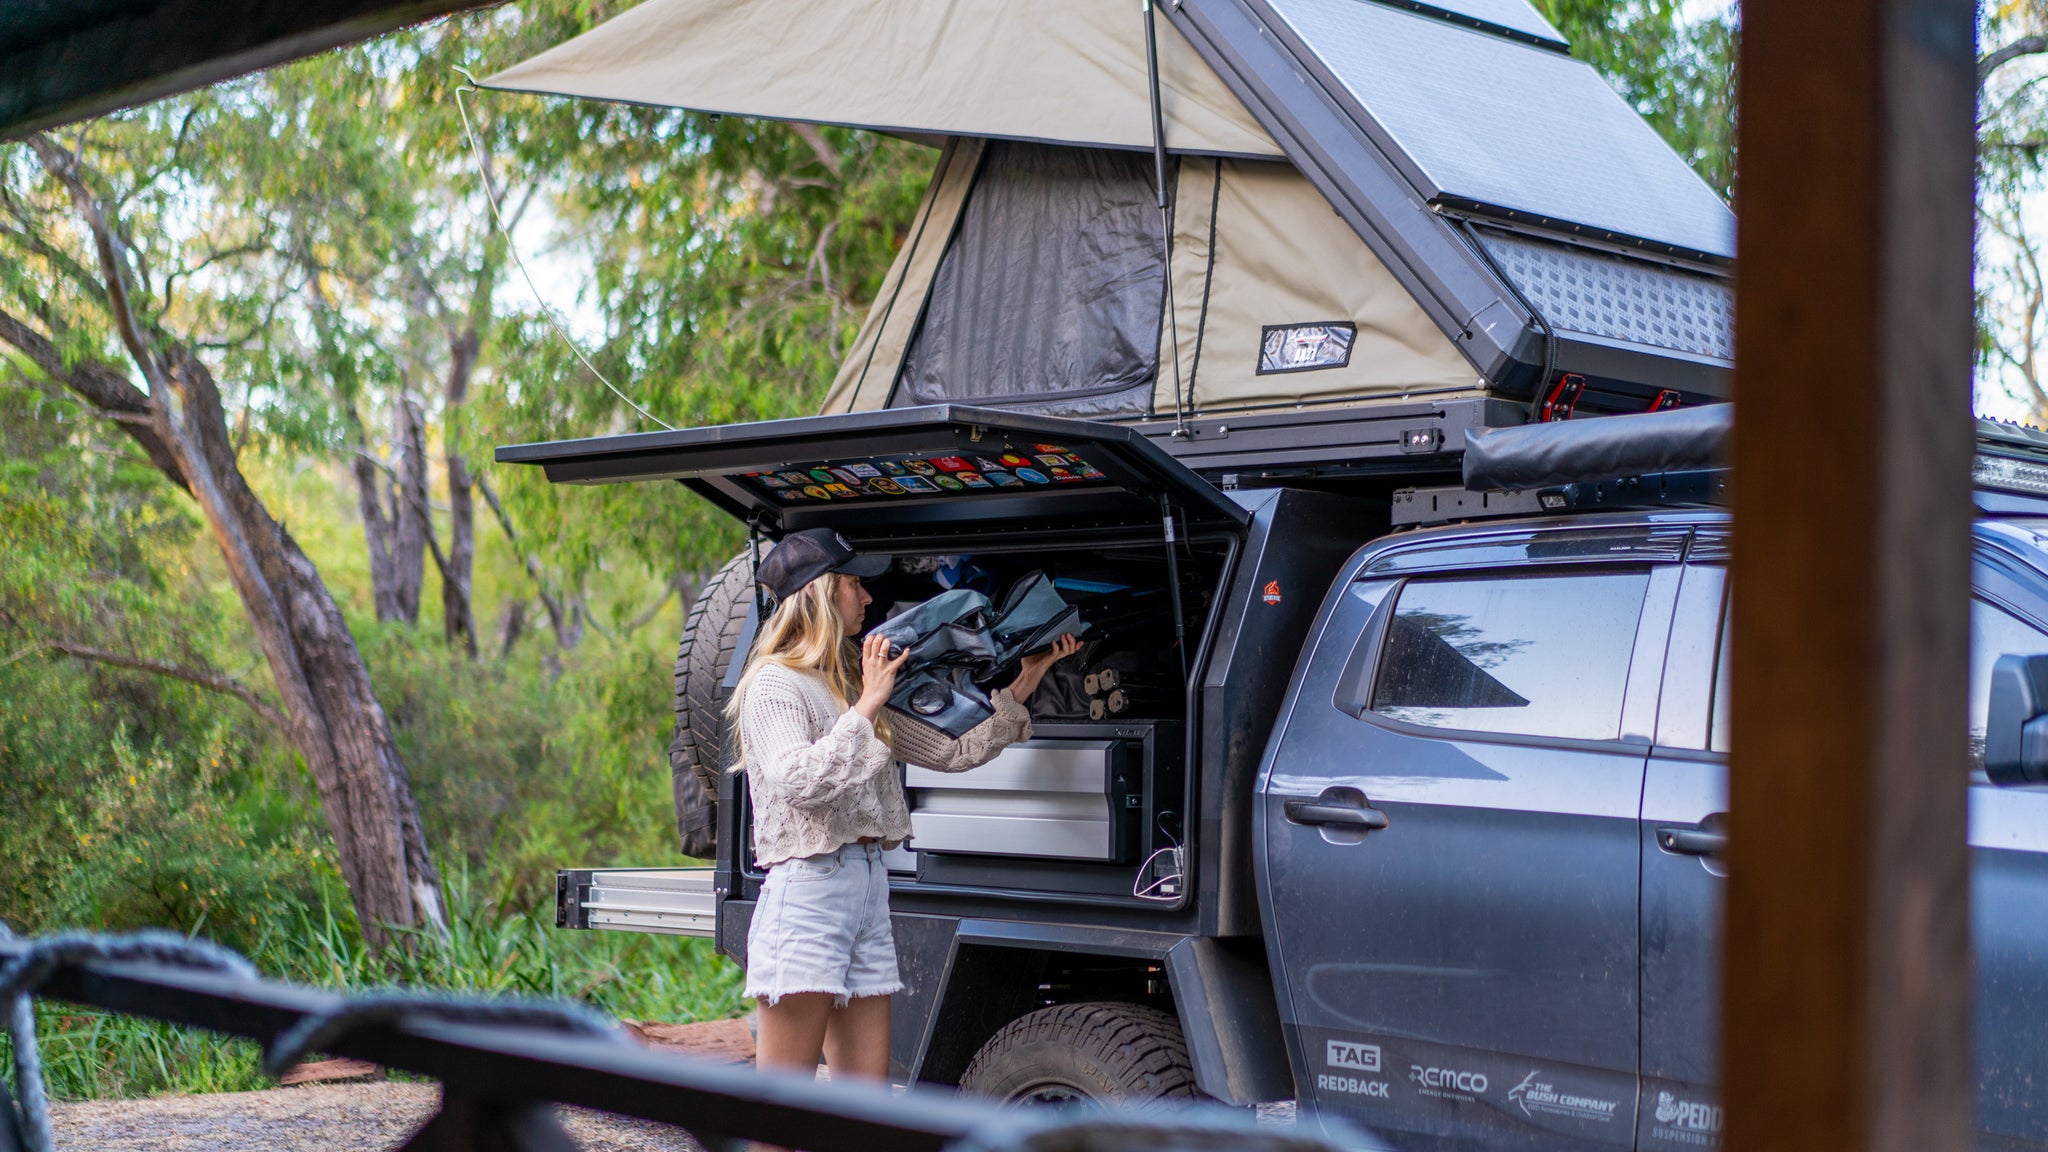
(1015, 290)
(1500, 215)
(1062, 71)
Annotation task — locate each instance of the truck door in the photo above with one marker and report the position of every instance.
(1685, 804)
(1448, 822)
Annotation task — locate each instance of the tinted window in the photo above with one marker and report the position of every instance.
(1994, 632)
(1530, 655)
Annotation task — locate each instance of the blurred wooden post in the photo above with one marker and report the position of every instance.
(1847, 970)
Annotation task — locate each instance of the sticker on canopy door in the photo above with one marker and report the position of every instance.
(948, 483)
(1031, 476)
(1013, 460)
(864, 470)
(797, 478)
(886, 486)
(768, 478)
(1003, 479)
(816, 492)
(921, 467)
(823, 476)
(892, 468)
(841, 491)
(974, 480)
(950, 464)
(916, 484)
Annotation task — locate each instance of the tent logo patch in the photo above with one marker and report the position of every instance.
(1305, 347)
(1272, 593)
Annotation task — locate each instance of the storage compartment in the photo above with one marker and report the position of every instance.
(1100, 787)
(1060, 799)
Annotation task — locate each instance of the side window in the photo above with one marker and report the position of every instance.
(1994, 632)
(1540, 655)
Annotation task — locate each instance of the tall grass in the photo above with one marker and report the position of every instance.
(93, 1055)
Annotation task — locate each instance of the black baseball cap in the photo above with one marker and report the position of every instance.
(804, 556)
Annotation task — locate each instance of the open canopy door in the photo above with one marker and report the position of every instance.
(907, 474)
(1057, 71)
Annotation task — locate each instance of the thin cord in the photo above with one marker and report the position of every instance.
(1180, 420)
(497, 217)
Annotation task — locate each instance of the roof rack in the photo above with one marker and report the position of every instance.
(1415, 506)
(1653, 460)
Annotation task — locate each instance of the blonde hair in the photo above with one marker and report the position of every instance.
(804, 633)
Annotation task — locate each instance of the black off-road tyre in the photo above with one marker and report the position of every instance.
(711, 633)
(1106, 1052)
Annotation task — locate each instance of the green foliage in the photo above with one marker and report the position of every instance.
(89, 1054)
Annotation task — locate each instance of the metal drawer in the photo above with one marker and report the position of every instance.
(1062, 799)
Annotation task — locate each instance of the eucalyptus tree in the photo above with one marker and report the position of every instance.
(107, 244)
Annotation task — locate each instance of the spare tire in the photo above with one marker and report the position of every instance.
(696, 754)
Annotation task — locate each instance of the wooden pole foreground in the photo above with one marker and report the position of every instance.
(1847, 966)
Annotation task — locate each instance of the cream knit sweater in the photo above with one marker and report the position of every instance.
(819, 775)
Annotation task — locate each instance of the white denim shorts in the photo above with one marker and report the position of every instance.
(822, 925)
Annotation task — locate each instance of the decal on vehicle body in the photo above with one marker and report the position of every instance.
(1536, 1096)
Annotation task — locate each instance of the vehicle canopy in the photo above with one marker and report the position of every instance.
(1368, 201)
(899, 477)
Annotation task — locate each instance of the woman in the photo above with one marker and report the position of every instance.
(819, 755)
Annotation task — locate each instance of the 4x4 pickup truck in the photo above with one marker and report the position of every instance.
(1431, 840)
(1373, 791)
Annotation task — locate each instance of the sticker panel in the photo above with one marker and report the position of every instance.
(1014, 467)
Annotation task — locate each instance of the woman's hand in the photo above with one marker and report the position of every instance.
(877, 675)
(1031, 669)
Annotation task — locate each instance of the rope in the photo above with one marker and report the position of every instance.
(20, 977)
(498, 218)
(318, 1032)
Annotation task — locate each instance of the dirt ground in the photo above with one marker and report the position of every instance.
(360, 1117)
(313, 1118)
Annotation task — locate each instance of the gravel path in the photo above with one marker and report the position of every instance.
(314, 1118)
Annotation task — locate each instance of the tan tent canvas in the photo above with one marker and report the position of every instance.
(1065, 71)
(1384, 245)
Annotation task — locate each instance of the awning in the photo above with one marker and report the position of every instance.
(1059, 71)
(906, 474)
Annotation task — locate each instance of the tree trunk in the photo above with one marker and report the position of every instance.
(378, 525)
(412, 525)
(458, 618)
(333, 714)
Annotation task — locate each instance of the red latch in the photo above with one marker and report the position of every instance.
(1563, 398)
(1665, 401)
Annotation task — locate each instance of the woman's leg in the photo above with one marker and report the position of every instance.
(857, 1039)
(793, 1031)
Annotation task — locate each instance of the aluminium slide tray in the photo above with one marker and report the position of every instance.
(674, 901)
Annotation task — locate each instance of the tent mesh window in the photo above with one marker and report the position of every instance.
(1049, 297)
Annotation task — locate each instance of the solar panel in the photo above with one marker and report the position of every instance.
(1517, 16)
(1478, 120)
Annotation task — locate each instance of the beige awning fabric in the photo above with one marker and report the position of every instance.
(1255, 245)
(1062, 71)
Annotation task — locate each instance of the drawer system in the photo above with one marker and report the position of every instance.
(1062, 799)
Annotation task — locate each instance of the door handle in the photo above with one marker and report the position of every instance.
(1692, 841)
(1324, 811)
